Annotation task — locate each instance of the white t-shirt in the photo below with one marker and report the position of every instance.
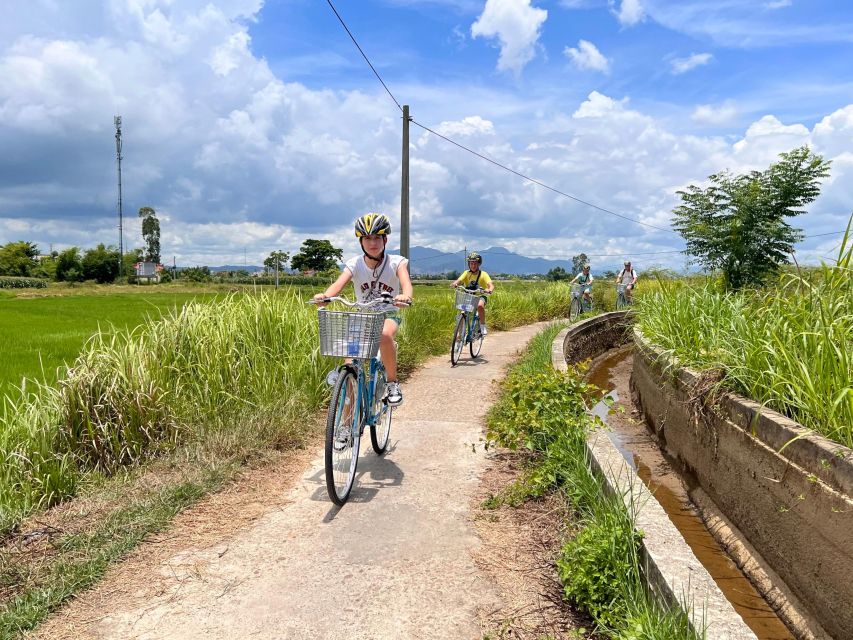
(627, 277)
(369, 283)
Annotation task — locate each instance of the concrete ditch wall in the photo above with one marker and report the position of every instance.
(788, 491)
(671, 569)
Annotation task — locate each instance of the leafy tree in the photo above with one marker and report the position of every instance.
(101, 264)
(609, 274)
(196, 274)
(69, 266)
(277, 261)
(18, 258)
(46, 267)
(578, 262)
(558, 273)
(452, 275)
(150, 234)
(316, 255)
(738, 224)
(131, 258)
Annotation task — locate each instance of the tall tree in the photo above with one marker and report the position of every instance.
(316, 255)
(557, 273)
(101, 264)
(18, 258)
(150, 234)
(578, 262)
(69, 266)
(277, 261)
(738, 224)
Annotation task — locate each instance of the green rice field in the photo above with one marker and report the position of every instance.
(40, 335)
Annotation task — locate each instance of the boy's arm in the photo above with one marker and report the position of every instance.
(406, 289)
(337, 286)
(490, 287)
(634, 281)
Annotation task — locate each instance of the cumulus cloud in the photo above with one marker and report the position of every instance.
(586, 56)
(717, 115)
(516, 24)
(683, 65)
(234, 157)
(630, 12)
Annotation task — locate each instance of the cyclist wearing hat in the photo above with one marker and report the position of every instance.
(628, 277)
(473, 278)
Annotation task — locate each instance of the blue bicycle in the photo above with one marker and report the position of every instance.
(358, 398)
(467, 324)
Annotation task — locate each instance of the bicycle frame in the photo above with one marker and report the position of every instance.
(364, 400)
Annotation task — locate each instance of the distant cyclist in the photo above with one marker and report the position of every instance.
(584, 279)
(373, 274)
(472, 279)
(628, 277)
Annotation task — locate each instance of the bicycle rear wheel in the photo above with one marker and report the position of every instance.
(458, 340)
(343, 438)
(476, 337)
(574, 309)
(380, 429)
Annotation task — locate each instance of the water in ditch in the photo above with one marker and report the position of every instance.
(628, 432)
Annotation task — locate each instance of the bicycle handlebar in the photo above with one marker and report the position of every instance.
(385, 298)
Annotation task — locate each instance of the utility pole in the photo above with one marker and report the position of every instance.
(117, 122)
(404, 192)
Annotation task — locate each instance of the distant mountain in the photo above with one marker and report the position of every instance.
(425, 260)
(237, 267)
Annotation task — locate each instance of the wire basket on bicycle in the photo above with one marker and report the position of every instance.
(466, 300)
(577, 289)
(620, 289)
(350, 334)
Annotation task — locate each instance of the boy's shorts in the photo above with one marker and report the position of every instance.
(395, 316)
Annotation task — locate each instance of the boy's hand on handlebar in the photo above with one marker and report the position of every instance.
(320, 299)
(402, 301)
(453, 285)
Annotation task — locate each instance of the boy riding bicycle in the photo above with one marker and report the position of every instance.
(474, 278)
(584, 278)
(627, 277)
(373, 274)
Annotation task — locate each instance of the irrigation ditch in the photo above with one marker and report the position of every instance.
(747, 517)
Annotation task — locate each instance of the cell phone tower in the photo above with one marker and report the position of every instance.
(117, 122)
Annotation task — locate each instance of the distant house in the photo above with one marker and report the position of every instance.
(148, 271)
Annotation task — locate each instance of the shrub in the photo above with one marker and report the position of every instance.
(14, 282)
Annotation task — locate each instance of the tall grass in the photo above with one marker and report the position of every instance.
(246, 359)
(789, 346)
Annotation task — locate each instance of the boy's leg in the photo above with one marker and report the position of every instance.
(388, 353)
(388, 349)
(481, 313)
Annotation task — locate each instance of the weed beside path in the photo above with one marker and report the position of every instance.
(542, 413)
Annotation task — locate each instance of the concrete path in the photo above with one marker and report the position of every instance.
(395, 562)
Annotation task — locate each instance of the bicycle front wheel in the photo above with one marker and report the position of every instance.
(380, 429)
(620, 301)
(574, 309)
(476, 337)
(343, 438)
(458, 341)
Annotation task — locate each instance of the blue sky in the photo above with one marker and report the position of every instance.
(252, 125)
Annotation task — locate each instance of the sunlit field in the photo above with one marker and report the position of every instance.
(235, 362)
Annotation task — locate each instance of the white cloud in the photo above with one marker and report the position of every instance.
(630, 13)
(516, 24)
(587, 56)
(777, 4)
(718, 115)
(683, 65)
(232, 156)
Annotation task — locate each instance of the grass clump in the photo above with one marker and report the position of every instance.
(542, 412)
(789, 346)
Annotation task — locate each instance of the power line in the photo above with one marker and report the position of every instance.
(538, 182)
(363, 55)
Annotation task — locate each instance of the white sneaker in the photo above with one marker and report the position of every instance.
(395, 394)
(483, 330)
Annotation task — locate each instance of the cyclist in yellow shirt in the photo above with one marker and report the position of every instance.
(474, 278)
